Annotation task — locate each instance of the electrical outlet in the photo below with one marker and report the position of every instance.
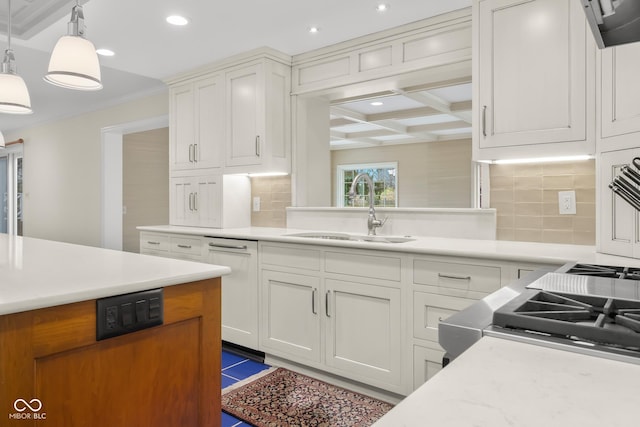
(256, 204)
(567, 202)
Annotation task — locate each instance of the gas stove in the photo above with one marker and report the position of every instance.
(584, 308)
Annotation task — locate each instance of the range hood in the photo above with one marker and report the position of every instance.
(613, 22)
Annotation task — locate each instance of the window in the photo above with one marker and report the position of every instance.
(385, 184)
(11, 190)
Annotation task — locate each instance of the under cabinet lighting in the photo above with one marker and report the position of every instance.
(539, 160)
(377, 103)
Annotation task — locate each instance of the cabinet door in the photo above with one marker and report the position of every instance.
(290, 325)
(209, 105)
(181, 135)
(364, 334)
(619, 222)
(239, 289)
(207, 202)
(620, 90)
(426, 363)
(532, 73)
(181, 201)
(245, 115)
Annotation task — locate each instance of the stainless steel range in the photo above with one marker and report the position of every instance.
(584, 308)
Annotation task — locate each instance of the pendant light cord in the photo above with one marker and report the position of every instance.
(9, 27)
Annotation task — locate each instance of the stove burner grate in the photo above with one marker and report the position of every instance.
(586, 317)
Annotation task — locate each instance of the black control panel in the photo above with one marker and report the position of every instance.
(126, 313)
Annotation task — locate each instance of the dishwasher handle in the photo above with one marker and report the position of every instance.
(223, 246)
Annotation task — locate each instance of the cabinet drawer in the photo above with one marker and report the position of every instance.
(155, 242)
(360, 265)
(290, 256)
(457, 276)
(185, 245)
(426, 363)
(430, 309)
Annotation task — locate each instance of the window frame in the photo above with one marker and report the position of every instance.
(15, 200)
(340, 169)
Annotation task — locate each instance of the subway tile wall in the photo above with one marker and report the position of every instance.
(526, 200)
(275, 196)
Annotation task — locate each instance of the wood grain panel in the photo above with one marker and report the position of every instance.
(168, 375)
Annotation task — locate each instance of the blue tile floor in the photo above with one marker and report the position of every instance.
(236, 368)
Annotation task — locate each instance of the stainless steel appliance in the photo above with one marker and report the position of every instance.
(584, 308)
(613, 22)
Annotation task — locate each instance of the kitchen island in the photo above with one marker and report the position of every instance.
(500, 383)
(55, 371)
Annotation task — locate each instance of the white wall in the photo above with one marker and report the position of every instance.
(62, 171)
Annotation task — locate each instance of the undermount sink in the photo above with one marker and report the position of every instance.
(352, 237)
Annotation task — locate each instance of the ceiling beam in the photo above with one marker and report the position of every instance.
(434, 102)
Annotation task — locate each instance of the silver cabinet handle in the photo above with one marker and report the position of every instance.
(326, 303)
(452, 276)
(219, 245)
(190, 152)
(258, 145)
(185, 246)
(484, 120)
(313, 301)
(152, 243)
(195, 153)
(191, 201)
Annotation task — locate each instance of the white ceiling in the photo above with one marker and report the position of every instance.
(148, 49)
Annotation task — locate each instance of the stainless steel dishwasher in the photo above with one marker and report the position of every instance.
(239, 289)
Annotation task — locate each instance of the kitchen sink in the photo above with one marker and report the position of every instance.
(352, 237)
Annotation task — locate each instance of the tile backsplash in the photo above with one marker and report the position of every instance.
(526, 199)
(275, 195)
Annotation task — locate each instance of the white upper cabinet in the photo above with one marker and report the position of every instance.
(619, 94)
(258, 122)
(534, 74)
(197, 124)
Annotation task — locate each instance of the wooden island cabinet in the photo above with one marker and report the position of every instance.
(54, 371)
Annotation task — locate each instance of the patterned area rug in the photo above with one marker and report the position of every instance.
(282, 398)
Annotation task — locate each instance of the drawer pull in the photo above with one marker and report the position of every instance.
(452, 276)
(152, 243)
(185, 246)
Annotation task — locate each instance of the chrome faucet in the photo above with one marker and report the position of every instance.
(372, 222)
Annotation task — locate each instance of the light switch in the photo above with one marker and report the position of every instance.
(256, 204)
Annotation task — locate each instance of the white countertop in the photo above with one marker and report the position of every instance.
(502, 383)
(38, 273)
(486, 249)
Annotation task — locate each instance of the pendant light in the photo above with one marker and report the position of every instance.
(14, 95)
(74, 62)
(2, 144)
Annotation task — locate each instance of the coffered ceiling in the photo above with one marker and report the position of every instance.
(401, 117)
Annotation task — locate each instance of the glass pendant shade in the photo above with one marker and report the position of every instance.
(14, 96)
(1, 140)
(74, 64)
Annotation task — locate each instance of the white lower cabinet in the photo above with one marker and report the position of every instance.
(290, 315)
(427, 362)
(348, 324)
(363, 325)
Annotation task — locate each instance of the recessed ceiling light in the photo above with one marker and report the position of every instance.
(377, 103)
(382, 7)
(105, 52)
(177, 20)
(314, 30)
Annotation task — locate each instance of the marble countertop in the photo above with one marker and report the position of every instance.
(502, 383)
(486, 249)
(37, 273)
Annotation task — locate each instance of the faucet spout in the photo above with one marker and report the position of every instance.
(372, 221)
